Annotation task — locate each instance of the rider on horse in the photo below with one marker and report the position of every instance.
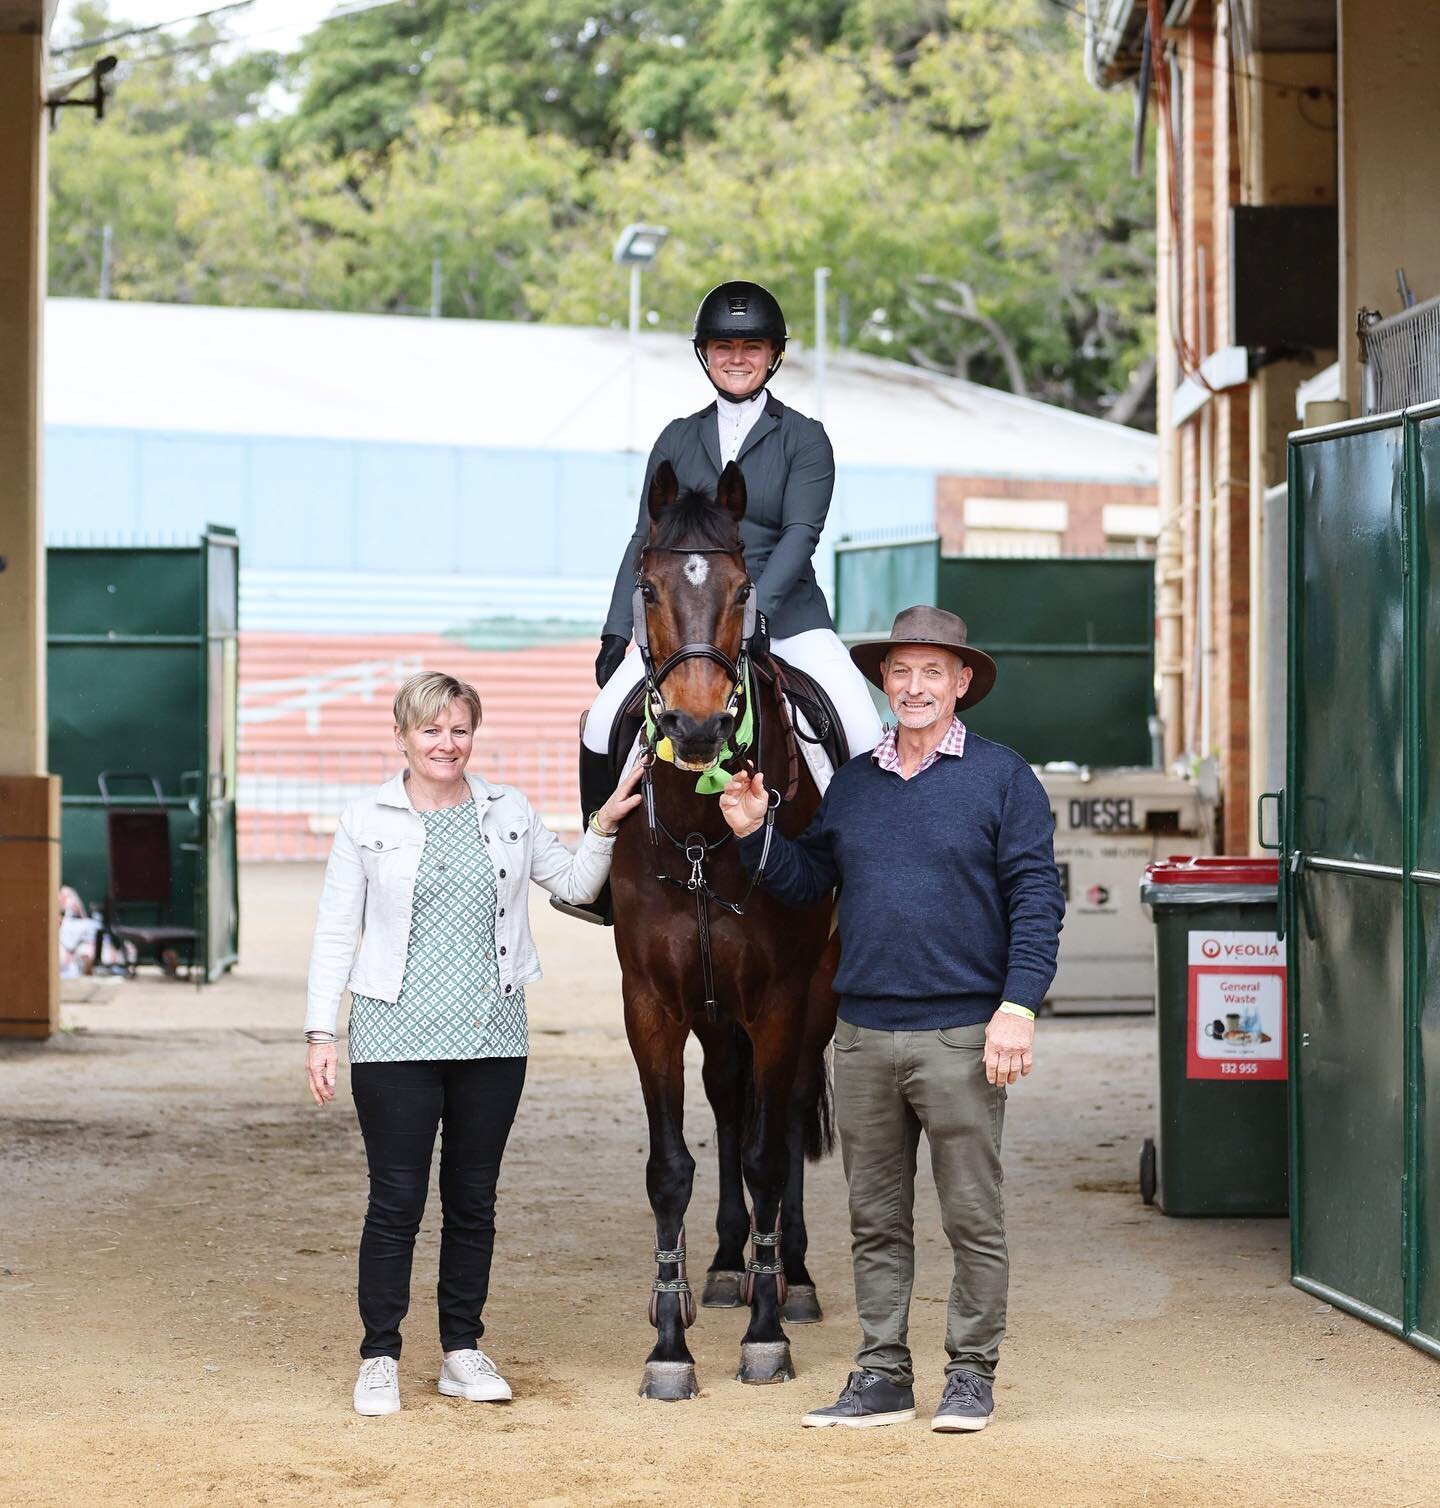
(789, 470)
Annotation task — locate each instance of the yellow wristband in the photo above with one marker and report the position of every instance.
(1009, 1008)
(600, 832)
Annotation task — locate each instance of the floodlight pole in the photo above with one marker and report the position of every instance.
(635, 269)
(822, 277)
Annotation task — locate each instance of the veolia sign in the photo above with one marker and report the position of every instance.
(1237, 1006)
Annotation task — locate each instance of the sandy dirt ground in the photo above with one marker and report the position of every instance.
(178, 1228)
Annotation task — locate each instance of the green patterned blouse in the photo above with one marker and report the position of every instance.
(450, 1003)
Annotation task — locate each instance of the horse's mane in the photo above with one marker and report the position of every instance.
(694, 521)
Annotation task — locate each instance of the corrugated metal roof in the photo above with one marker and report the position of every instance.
(488, 384)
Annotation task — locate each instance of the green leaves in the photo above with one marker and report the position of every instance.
(945, 159)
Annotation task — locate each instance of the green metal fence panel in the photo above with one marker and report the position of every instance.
(1345, 948)
(1075, 643)
(141, 668)
(873, 581)
(1074, 640)
(1363, 910)
(1423, 878)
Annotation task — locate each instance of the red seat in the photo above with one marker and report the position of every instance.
(137, 841)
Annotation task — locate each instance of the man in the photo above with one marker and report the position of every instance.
(950, 913)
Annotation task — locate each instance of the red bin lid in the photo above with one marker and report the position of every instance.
(1217, 869)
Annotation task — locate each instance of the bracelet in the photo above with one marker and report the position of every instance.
(319, 1038)
(1009, 1008)
(600, 832)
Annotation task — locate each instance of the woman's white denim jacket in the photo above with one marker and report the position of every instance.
(370, 885)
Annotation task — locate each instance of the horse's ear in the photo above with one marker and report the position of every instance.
(664, 489)
(730, 494)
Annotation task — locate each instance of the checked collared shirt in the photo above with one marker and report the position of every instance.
(887, 753)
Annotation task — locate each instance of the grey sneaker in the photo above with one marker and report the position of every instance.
(966, 1404)
(377, 1388)
(867, 1399)
(472, 1375)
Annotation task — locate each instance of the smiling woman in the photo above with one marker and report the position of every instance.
(427, 879)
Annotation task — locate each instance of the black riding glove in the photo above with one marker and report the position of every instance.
(760, 639)
(612, 651)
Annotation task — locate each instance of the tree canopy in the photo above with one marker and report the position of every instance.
(944, 158)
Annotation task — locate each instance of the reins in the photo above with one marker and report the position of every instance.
(697, 848)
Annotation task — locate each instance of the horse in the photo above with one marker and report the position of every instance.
(703, 950)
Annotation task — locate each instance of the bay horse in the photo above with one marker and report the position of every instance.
(703, 950)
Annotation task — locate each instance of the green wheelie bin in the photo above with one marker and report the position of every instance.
(1220, 1138)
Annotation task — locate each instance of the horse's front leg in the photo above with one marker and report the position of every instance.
(727, 1068)
(765, 1349)
(657, 1041)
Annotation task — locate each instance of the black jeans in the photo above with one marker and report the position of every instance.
(400, 1106)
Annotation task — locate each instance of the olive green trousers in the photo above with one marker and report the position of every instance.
(889, 1087)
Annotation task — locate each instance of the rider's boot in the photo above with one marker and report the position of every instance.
(595, 788)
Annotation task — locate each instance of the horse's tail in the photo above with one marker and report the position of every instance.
(820, 1128)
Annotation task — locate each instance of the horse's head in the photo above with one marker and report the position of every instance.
(691, 616)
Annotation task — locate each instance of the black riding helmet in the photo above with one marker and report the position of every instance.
(739, 311)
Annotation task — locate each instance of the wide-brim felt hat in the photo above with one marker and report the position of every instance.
(929, 625)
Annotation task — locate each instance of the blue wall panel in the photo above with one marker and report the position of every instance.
(339, 505)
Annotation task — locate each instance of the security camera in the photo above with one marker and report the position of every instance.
(61, 93)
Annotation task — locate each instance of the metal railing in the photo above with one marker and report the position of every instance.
(289, 800)
(1401, 358)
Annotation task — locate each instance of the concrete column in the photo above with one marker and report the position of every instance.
(1389, 62)
(29, 800)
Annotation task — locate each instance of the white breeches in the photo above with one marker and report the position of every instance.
(818, 652)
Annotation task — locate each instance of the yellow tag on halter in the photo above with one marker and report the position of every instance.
(665, 750)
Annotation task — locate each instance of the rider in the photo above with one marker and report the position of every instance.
(789, 468)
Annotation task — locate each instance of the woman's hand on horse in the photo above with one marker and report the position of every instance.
(320, 1059)
(623, 799)
(744, 802)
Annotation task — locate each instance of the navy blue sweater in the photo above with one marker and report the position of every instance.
(950, 901)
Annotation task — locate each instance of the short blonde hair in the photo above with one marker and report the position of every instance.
(425, 696)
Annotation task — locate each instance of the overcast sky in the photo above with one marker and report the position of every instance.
(277, 24)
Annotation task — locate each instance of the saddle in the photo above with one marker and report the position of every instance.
(812, 718)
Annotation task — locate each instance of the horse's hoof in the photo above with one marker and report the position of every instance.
(801, 1305)
(669, 1381)
(722, 1290)
(765, 1361)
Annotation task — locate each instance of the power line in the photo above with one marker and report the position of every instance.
(140, 31)
(268, 31)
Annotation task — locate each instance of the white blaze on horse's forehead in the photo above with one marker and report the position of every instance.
(697, 570)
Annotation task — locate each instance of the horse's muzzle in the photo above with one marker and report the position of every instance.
(697, 743)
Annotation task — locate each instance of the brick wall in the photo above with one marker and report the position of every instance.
(1085, 501)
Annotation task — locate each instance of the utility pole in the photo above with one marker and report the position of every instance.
(107, 243)
(822, 277)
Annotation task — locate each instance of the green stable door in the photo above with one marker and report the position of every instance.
(1361, 870)
(142, 661)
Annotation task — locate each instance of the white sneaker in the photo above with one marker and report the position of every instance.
(377, 1388)
(472, 1375)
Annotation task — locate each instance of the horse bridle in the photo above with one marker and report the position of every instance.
(655, 675)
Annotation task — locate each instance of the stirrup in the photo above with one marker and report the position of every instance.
(581, 912)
